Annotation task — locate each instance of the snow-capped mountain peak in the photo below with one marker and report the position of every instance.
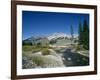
(57, 35)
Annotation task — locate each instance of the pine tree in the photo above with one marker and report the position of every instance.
(80, 34)
(72, 33)
(85, 35)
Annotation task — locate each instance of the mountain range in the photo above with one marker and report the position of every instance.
(50, 37)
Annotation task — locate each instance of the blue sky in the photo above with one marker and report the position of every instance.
(45, 23)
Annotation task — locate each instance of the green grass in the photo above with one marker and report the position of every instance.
(33, 49)
(27, 48)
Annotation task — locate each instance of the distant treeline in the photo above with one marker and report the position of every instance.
(26, 43)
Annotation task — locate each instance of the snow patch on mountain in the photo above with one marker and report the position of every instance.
(57, 35)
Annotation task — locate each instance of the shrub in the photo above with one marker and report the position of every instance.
(79, 47)
(46, 61)
(39, 44)
(45, 51)
(37, 60)
(51, 61)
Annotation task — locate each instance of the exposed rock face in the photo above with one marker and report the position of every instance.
(27, 63)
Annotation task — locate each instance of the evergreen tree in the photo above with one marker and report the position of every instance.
(72, 33)
(85, 35)
(80, 33)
